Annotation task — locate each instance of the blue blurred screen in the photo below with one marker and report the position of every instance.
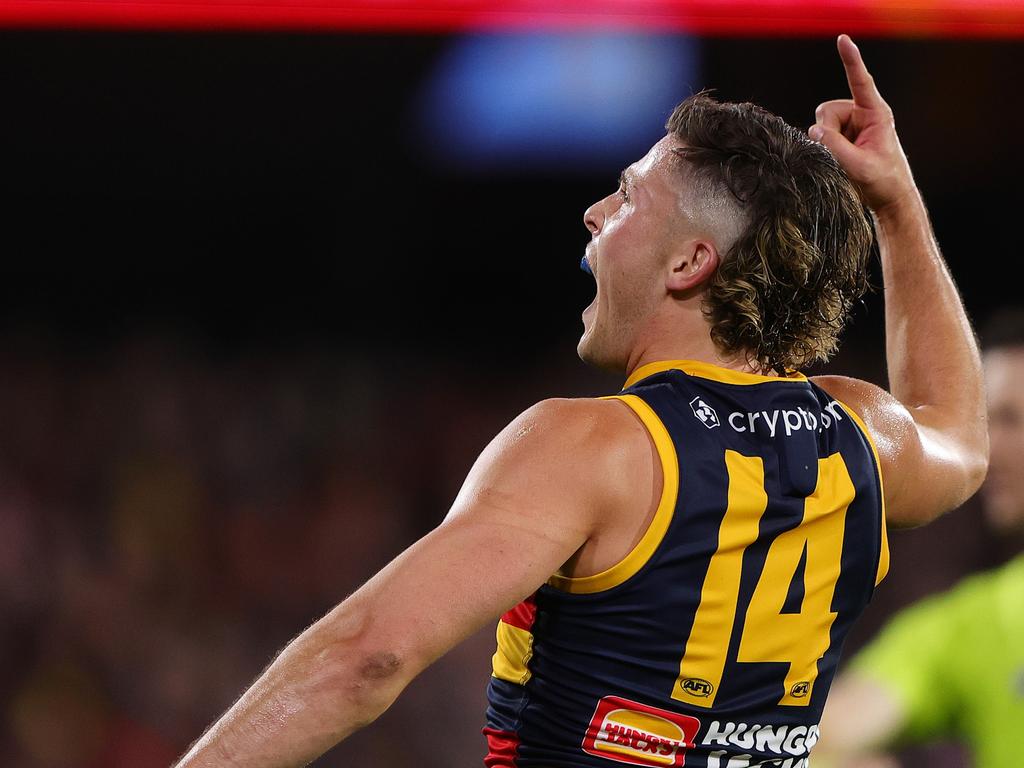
(584, 101)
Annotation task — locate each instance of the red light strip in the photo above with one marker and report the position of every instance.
(925, 18)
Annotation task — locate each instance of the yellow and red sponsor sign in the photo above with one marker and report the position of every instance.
(638, 734)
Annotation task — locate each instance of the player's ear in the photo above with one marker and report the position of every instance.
(692, 266)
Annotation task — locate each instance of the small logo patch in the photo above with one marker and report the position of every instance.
(695, 686)
(707, 415)
(799, 690)
(637, 734)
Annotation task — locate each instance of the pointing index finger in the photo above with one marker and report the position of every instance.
(862, 85)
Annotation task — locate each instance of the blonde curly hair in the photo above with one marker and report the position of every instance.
(785, 288)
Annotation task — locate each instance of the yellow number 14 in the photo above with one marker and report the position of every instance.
(769, 635)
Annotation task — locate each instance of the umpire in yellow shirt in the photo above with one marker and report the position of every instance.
(953, 664)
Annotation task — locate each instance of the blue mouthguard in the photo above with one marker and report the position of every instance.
(585, 266)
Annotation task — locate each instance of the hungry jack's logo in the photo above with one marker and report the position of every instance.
(629, 732)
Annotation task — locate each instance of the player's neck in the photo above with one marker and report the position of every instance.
(696, 345)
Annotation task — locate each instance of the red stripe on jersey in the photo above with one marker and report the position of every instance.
(523, 615)
(501, 748)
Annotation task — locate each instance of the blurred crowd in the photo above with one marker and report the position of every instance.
(170, 516)
(169, 520)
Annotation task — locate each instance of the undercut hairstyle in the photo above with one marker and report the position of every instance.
(786, 285)
(1004, 329)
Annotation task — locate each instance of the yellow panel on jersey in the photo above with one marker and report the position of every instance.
(700, 671)
(801, 639)
(510, 661)
(655, 532)
(883, 557)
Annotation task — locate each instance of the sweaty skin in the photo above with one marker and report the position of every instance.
(557, 489)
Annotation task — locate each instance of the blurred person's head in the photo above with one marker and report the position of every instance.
(1003, 492)
(735, 231)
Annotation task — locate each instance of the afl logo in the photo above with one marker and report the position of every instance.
(707, 415)
(697, 687)
(799, 690)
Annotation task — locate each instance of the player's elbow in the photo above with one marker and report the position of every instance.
(373, 681)
(952, 485)
(361, 683)
(977, 469)
(971, 460)
(351, 669)
(953, 465)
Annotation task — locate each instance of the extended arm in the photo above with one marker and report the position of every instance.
(931, 431)
(860, 721)
(529, 503)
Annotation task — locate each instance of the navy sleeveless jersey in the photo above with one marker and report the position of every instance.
(713, 643)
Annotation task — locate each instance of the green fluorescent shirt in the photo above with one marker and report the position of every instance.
(956, 662)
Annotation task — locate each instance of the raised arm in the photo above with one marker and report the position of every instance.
(931, 430)
(532, 500)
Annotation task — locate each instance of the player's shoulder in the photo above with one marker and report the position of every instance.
(577, 412)
(599, 440)
(868, 400)
(887, 420)
(598, 426)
